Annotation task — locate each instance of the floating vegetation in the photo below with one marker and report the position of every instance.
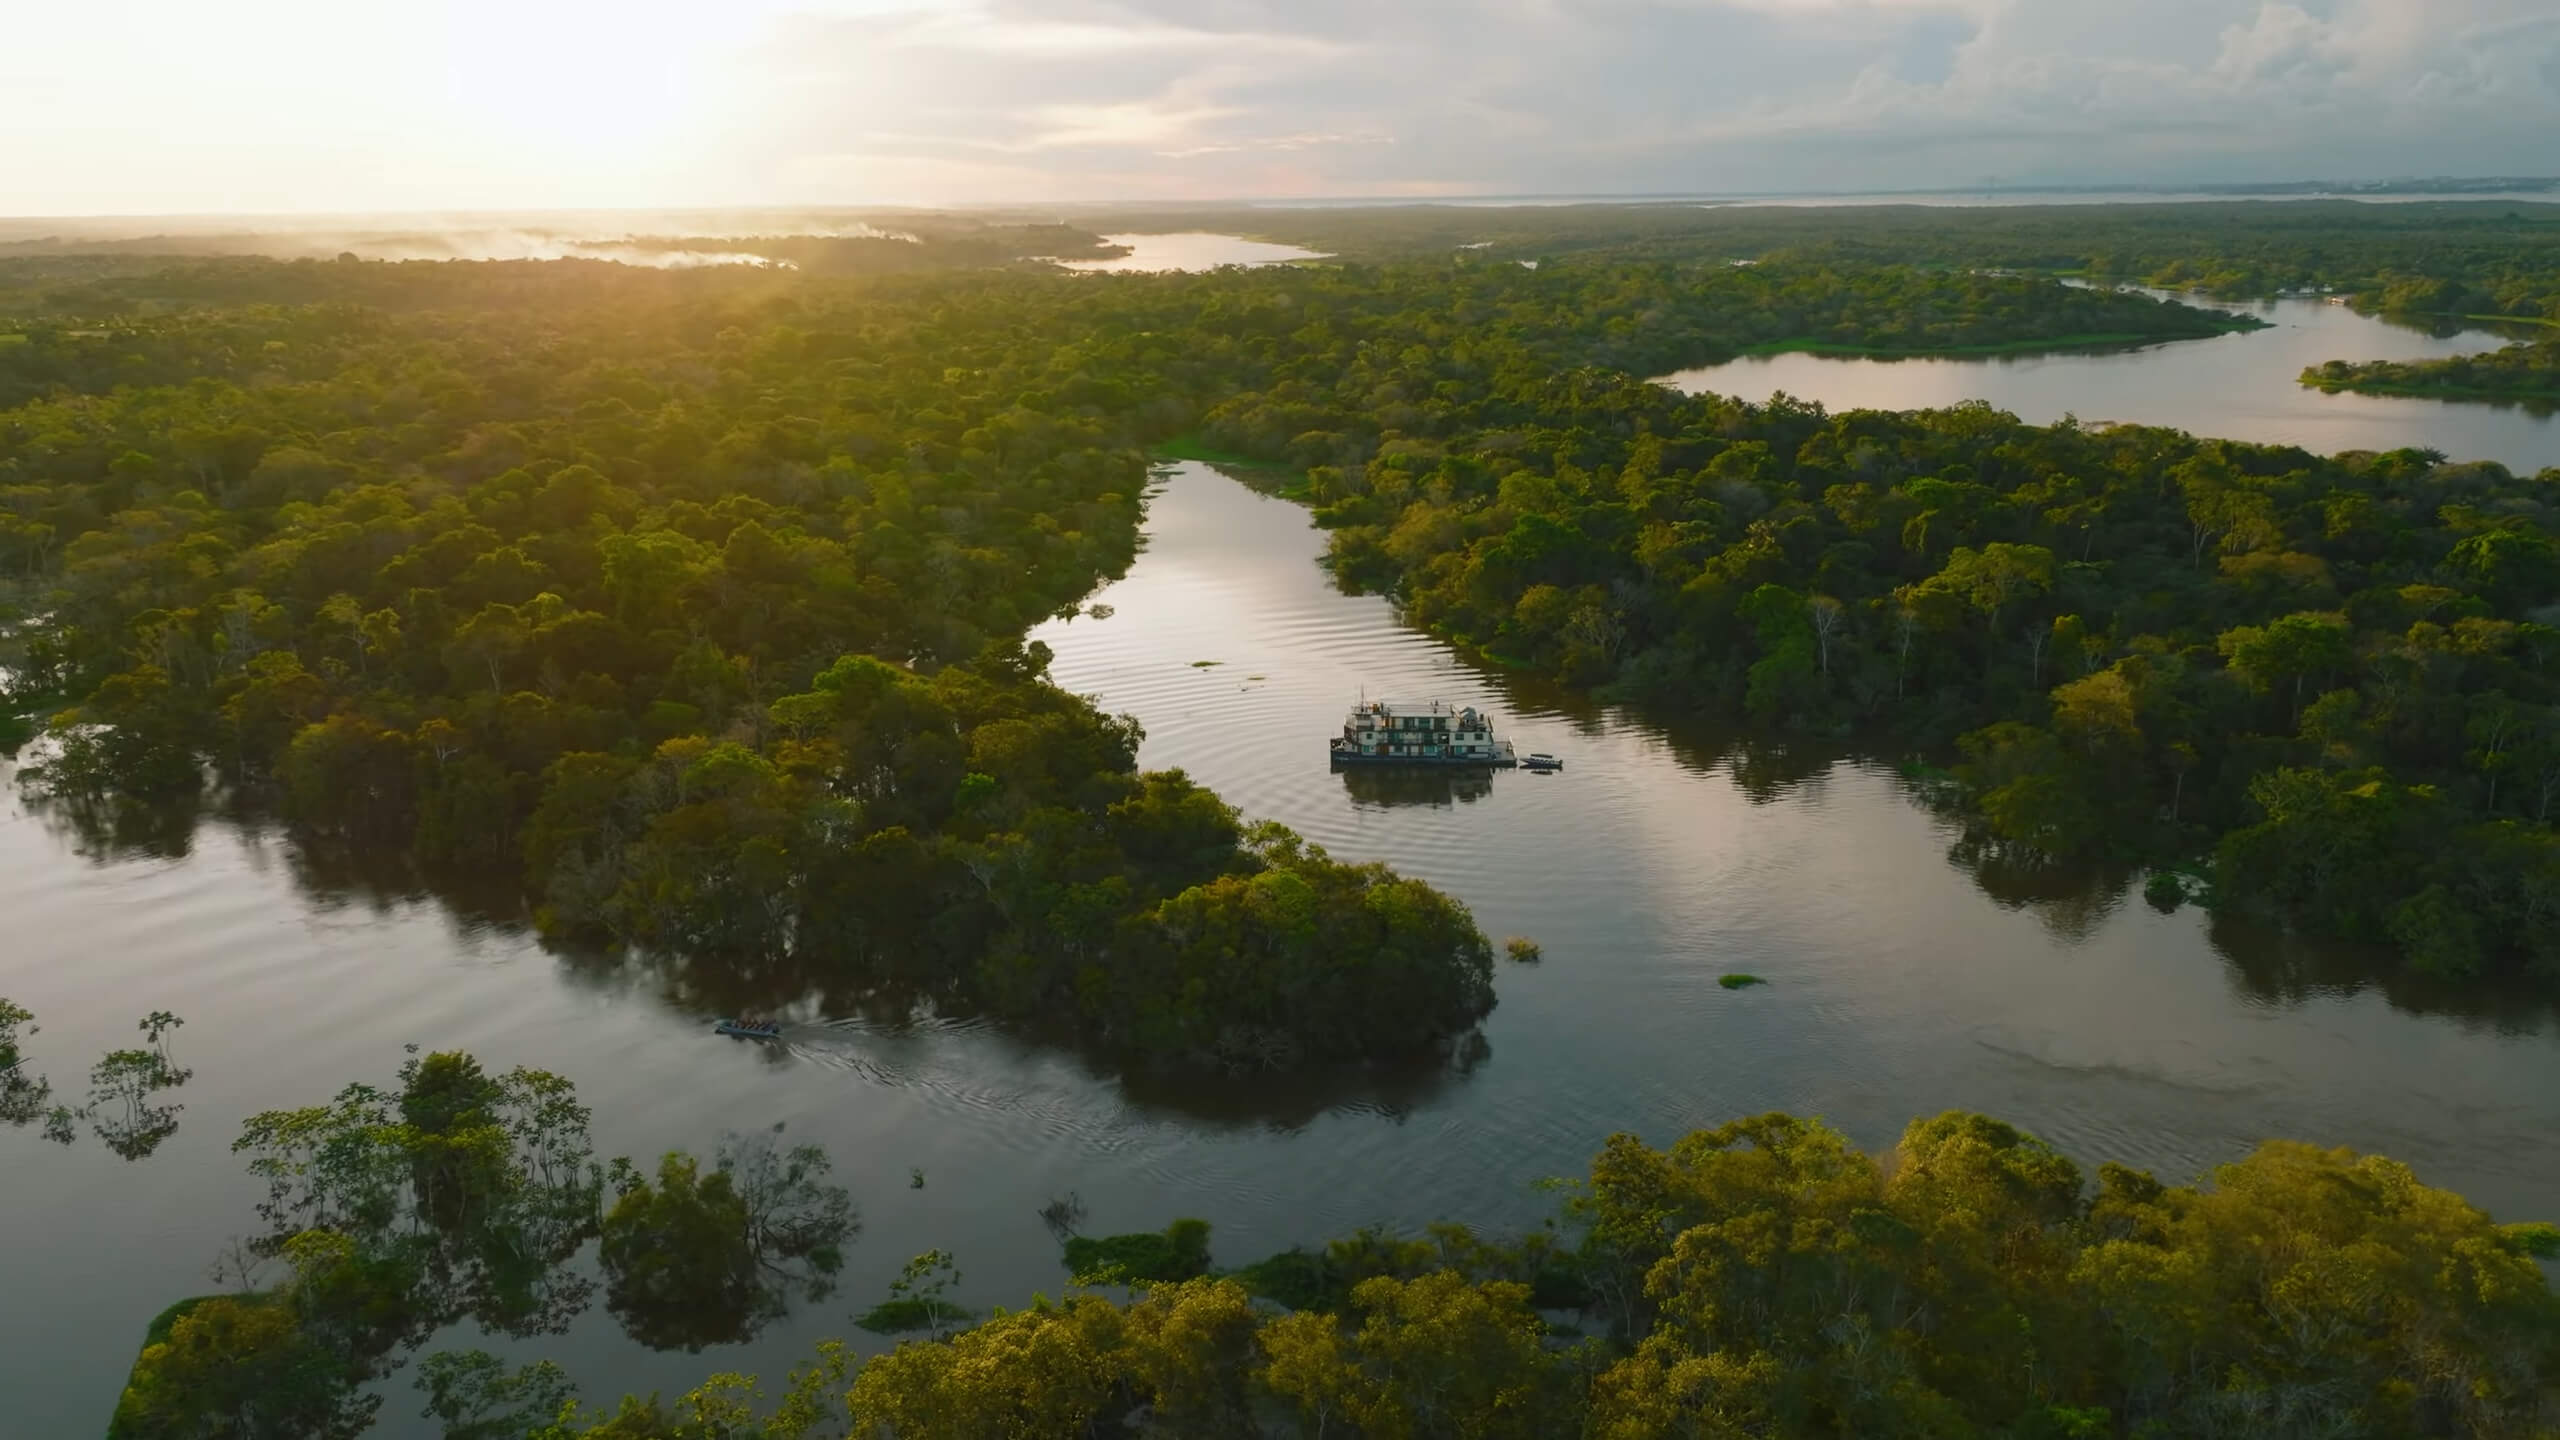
(1206, 664)
(1739, 980)
(2168, 889)
(1064, 1215)
(1523, 949)
(1180, 1252)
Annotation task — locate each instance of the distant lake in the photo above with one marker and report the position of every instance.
(1193, 250)
(2239, 386)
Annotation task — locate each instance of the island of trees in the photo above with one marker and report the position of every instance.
(1761, 1279)
(696, 600)
(699, 609)
(2526, 374)
(699, 596)
(683, 613)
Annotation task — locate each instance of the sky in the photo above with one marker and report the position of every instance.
(123, 107)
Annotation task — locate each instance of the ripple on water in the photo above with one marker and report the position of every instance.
(1897, 988)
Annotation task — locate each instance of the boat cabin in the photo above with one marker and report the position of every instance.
(1431, 731)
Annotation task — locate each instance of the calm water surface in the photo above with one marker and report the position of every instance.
(1656, 861)
(1192, 250)
(2240, 386)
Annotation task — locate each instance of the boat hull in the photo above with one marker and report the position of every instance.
(1502, 759)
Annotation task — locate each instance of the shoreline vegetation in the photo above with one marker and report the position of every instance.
(677, 592)
(2059, 344)
(2145, 646)
(696, 598)
(1765, 1278)
(687, 609)
(2526, 374)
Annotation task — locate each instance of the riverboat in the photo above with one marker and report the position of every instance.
(750, 1029)
(1431, 732)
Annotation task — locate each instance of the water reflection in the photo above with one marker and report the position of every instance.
(1191, 250)
(1384, 785)
(1903, 979)
(2273, 966)
(106, 829)
(2242, 386)
(2071, 899)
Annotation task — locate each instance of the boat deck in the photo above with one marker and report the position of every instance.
(1502, 758)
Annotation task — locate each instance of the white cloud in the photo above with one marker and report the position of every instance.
(484, 102)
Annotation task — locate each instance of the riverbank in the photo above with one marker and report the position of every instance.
(1286, 481)
(1903, 979)
(2245, 388)
(2525, 375)
(2059, 344)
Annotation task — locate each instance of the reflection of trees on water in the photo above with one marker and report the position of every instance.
(701, 1258)
(861, 1005)
(460, 1200)
(1765, 767)
(123, 1109)
(110, 827)
(2270, 965)
(884, 989)
(2072, 900)
(1294, 1100)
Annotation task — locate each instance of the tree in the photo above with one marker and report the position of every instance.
(23, 1095)
(460, 1195)
(918, 1298)
(699, 1259)
(1830, 619)
(239, 1367)
(680, 1266)
(476, 1397)
(2293, 649)
(2495, 728)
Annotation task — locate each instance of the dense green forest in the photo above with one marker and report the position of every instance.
(699, 597)
(2330, 676)
(1763, 1279)
(2526, 374)
(820, 241)
(2460, 257)
(682, 613)
(700, 606)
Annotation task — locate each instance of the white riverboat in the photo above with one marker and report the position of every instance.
(1430, 732)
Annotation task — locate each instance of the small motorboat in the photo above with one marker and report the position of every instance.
(1540, 760)
(750, 1028)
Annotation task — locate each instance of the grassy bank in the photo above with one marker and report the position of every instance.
(1286, 481)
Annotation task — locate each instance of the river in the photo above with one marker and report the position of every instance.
(1191, 250)
(2242, 386)
(1900, 984)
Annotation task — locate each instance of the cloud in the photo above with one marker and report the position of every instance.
(942, 101)
(1065, 99)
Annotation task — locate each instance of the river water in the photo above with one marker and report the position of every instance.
(1901, 982)
(1191, 250)
(2241, 386)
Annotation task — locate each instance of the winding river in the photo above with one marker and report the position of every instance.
(2243, 386)
(1902, 981)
